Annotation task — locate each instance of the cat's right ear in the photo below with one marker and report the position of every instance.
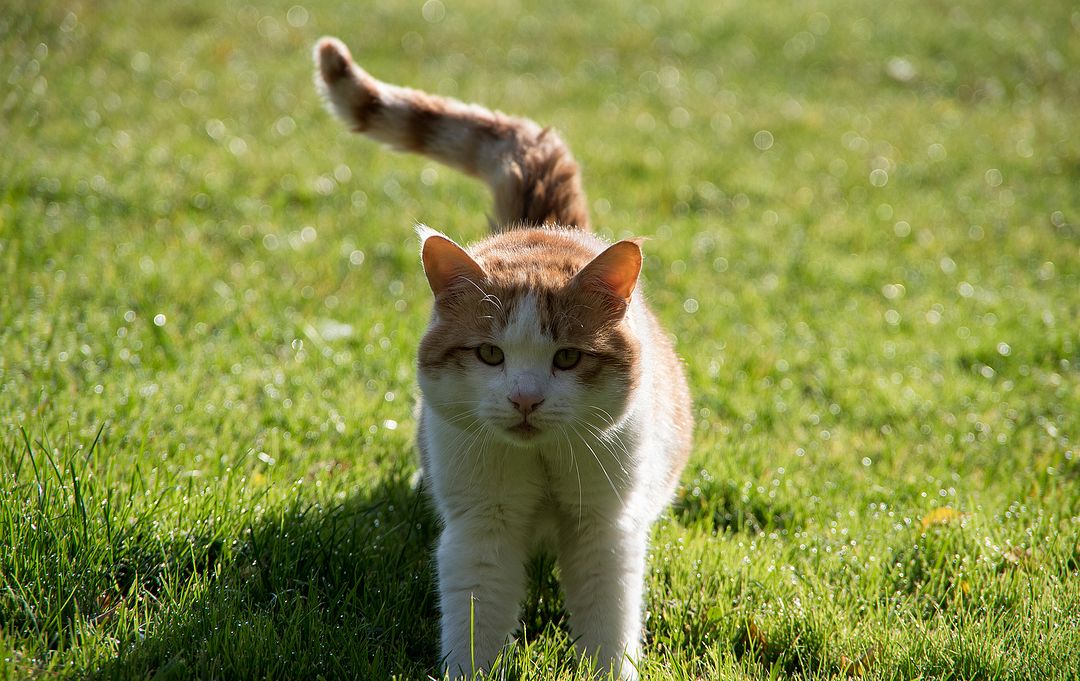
(446, 263)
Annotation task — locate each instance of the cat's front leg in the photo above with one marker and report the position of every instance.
(481, 566)
(603, 570)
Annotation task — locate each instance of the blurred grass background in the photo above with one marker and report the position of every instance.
(865, 233)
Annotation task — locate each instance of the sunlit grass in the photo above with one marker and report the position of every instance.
(864, 233)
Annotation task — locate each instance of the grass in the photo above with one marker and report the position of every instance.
(865, 233)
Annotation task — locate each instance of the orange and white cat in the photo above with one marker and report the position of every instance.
(555, 414)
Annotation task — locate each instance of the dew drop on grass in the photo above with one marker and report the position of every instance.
(900, 70)
(434, 11)
(645, 122)
(679, 117)
(297, 16)
(332, 330)
(269, 27)
(159, 319)
(140, 62)
(215, 128)
(285, 126)
(879, 177)
(791, 109)
(763, 140)
(342, 173)
(669, 77)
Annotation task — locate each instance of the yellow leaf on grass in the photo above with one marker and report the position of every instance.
(861, 664)
(755, 634)
(942, 516)
(753, 637)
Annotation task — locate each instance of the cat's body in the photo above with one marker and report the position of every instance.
(555, 413)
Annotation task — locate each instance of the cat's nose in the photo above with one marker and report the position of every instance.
(525, 402)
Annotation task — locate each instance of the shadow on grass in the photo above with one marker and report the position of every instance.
(311, 592)
(724, 506)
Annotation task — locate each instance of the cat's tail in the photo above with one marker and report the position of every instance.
(530, 170)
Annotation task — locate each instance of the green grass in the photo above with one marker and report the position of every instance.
(865, 232)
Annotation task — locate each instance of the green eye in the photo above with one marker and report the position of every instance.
(567, 358)
(490, 354)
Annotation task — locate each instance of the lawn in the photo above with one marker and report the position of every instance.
(864, 230)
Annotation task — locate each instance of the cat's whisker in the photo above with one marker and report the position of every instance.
(577, 470)
(479, 451)
(462, 416)
(453, 420)
(613, 446)
(465, 436)
(471, 451)
(488, 297)
(450, 403)
(608, 418)
(600, 463)
(467, 410)
(602, 434)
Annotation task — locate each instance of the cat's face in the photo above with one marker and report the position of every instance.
(528, 343)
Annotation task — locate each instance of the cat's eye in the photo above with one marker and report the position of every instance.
(490, 354)
(567, 358)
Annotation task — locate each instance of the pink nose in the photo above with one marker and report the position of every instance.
(525, 402)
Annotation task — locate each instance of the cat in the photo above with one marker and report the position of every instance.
(554, 413)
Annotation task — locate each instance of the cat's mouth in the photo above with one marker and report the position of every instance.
(524, 429)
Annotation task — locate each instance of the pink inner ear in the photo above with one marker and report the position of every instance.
(615, 271)
(445, 263)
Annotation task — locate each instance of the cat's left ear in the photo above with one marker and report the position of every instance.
(614, 272)
(446, 263)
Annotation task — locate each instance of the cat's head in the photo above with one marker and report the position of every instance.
(530, 339)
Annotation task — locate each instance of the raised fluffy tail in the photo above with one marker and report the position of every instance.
(530, 170)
